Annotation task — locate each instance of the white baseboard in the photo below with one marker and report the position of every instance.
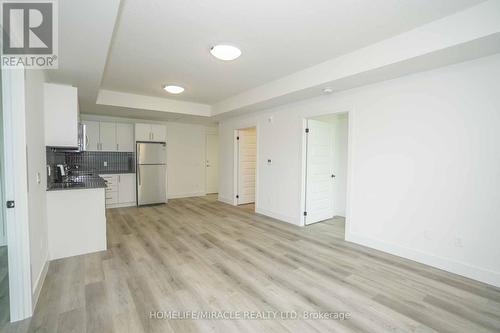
(120, 205)
(339, 213)
(229, 201)
(284, 218)
(186, 195)
(39, 283)
(460, 268)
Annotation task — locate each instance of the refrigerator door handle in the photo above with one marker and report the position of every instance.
(138, 166)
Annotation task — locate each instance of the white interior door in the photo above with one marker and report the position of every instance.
(212, 163)
(319, 164)
(14, 161)
(247, 157)
(3, 227)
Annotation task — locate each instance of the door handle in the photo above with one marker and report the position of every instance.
(139, 175)
(333, 176)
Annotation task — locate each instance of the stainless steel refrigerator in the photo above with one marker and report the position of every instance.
(151, 173)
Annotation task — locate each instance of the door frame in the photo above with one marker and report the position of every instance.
(303, 177)
(236, 164)
(16, 188)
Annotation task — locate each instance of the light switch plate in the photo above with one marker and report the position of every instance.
(105, 163)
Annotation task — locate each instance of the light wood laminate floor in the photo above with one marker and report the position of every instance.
(199, 254)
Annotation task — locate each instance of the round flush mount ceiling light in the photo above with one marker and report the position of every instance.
(173, 89)
(327, 90)
(225, 52)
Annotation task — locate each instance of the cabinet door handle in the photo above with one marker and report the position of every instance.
(153, 136)
(117, 147)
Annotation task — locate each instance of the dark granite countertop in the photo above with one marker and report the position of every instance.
(77, 182)
(115, 172)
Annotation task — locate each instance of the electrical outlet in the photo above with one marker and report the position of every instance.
(105, 163)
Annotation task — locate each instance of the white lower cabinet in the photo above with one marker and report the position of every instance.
(126, 188)
(120, 190)
(76, 222)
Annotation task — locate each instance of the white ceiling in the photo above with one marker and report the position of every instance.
(84, 44)
(159, 42)
(120, 58)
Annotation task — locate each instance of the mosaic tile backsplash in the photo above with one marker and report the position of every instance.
(94, 161)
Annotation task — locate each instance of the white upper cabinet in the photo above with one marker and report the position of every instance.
(142, 132)
(159, 133)
(92, 135)
(150, 132)
(61, 115)
(107, 135)
(125, 137)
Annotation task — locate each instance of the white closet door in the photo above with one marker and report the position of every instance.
(319, 181)
(247, 149)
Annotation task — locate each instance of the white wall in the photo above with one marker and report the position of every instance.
(424, 163)
(340, 133)
(186, 145)
(36, 165)
(186, 160)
